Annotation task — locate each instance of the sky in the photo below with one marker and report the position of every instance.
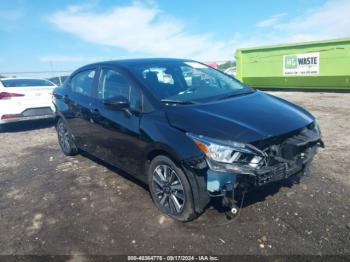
(63, 35)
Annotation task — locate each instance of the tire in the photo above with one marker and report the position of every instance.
(170, 189)
(65, 139)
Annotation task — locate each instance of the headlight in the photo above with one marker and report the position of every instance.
(228, 155)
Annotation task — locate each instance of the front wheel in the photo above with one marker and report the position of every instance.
(65, 139)
(170, 189)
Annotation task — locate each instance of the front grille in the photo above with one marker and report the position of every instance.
(278, 172)
(287, 154)
(37, 112)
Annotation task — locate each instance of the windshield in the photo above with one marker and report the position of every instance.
(25, 82)
(183, 81)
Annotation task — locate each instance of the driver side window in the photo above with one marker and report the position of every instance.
(114, 84)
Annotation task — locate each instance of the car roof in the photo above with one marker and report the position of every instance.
(139, 61)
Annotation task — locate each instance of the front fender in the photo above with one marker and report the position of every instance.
(167, 140)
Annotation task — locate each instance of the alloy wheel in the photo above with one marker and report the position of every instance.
(169, 190)
(63, 137)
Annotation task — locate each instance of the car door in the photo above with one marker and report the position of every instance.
(79, 100)
(117, 138)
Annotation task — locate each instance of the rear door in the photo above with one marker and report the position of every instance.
(79, 100)
(117, 138)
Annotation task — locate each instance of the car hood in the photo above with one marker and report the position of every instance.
(245, 118)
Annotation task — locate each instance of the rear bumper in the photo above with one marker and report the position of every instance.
(28, 114)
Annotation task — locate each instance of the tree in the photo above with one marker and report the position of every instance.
(1, 76)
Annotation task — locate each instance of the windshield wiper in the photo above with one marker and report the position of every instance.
(182, 102)
(234, 94)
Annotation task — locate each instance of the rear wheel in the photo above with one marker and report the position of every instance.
(170, 189)
(65, 139)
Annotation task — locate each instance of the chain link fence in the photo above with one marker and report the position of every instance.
(57, 77)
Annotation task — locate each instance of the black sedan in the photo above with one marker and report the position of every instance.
(187, 130)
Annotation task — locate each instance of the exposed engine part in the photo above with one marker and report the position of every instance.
(234, 211)
(283, 156)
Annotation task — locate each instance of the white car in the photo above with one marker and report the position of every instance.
(25, 99)
(231, 71)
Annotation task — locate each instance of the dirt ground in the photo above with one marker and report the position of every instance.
(52, 204)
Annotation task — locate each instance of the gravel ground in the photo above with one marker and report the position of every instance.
(52, 204)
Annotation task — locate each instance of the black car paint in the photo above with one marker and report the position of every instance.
(246, 118)
(129, 141)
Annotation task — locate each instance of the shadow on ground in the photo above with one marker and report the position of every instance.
(250, 198)
(116, 170)
(27, 125)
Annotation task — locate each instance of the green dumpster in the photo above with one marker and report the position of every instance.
(310, 65)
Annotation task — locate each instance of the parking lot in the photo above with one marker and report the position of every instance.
(53, 204)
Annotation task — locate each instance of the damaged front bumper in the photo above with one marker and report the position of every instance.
(248, 178)
(279, 158)
(284, 156)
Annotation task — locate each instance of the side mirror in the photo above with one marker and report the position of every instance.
(117, 103)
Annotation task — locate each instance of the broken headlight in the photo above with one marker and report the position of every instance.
(229, 156)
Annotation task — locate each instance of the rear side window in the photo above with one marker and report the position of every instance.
(25, 82)
(82, 82)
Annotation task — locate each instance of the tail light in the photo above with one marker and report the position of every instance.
(6, 95)
(10, 116)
